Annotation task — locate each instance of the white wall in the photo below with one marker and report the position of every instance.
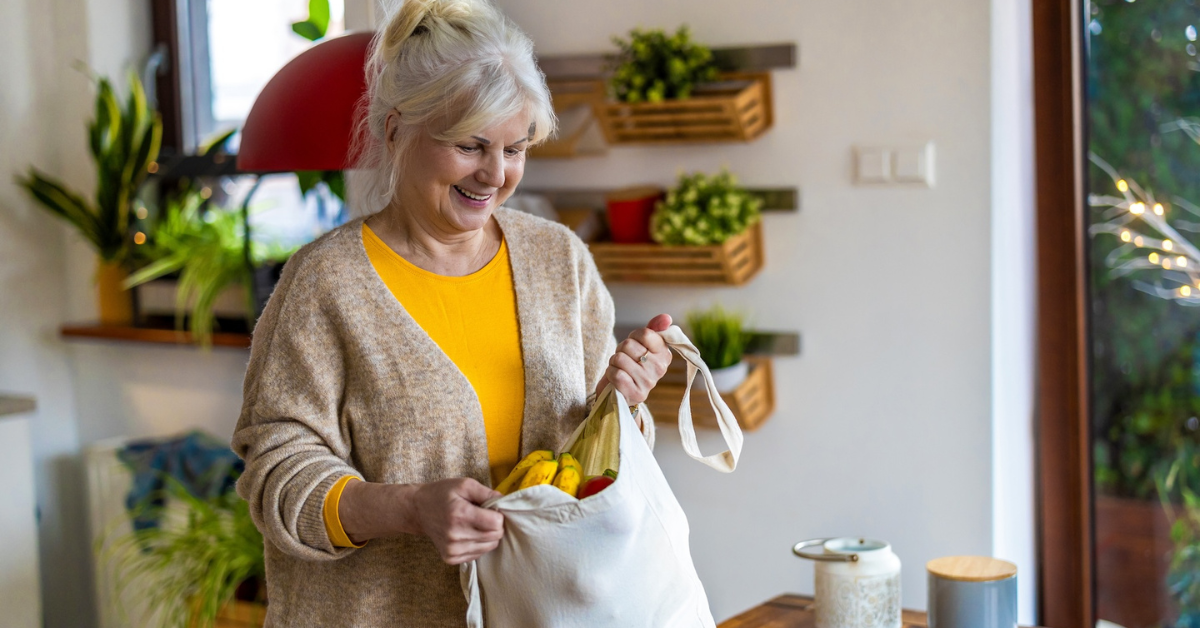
(39, 43)
(883, 427)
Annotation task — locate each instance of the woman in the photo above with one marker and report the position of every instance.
(406, 362)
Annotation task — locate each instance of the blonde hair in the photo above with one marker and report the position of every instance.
(451, 68)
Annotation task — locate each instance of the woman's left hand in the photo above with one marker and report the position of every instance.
(640, 361)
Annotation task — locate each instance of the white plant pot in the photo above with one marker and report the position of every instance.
(729, 378)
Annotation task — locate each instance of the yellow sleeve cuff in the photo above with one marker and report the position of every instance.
(333, 524)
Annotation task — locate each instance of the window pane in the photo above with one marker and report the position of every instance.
(1143, 85)
(248, 43)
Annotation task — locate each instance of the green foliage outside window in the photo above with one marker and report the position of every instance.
(1141, 77)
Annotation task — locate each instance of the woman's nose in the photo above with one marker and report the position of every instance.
(491, 173)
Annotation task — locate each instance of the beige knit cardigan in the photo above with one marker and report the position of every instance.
(343, 381)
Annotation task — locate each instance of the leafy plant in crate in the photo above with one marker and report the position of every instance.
(653, 66)
(703, 210)
(203, 554)
(721, 340)
(124, 142)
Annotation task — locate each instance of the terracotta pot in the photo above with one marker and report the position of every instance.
(113, 300)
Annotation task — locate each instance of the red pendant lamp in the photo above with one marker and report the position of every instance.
(304, 118)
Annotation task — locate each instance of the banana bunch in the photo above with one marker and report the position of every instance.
(541, 467)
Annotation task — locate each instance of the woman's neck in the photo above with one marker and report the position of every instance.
(436, 248)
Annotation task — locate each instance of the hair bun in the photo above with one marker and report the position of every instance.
(414, 17)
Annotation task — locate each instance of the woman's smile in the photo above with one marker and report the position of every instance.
(471, 199)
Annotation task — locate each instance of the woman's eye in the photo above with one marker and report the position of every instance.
(469, 149)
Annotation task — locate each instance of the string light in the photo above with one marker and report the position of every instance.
(141, 212)
(1153, 257)
(1158, 209)
(1166, 263)
(205, 192)
(1122, 185)
(1138, 208)
(1139, 241)
(1185, 291)
(139, 238)
(152, 167)
(1125, 237)
(1168, 245)
(1181, 261)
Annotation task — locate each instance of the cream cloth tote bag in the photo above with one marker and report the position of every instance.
(619, 558)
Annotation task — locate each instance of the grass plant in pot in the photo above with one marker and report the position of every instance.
(204, 554)
(721, 340)
(124, 143)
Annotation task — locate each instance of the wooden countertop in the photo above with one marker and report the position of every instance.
(795, 611)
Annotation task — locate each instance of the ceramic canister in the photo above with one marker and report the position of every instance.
(857, 582)
(972, 592)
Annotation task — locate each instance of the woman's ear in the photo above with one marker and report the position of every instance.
(391, 130)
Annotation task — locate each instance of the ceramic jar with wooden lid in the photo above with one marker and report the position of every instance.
(972, 592)
(857, 582)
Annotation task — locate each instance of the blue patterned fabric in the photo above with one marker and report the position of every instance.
(203, 465)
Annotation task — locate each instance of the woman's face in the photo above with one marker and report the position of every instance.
(455, 187)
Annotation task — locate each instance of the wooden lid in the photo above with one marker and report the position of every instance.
(971, 568)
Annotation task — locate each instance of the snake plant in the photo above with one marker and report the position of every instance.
(124, 140)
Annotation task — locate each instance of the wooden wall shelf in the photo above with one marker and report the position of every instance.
(773, 199)
(149, 335)
(752, 403)
(757, 58)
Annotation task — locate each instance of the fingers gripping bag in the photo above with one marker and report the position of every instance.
(619, 557)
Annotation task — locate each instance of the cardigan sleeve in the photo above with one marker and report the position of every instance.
(599, 320)
(289, 432)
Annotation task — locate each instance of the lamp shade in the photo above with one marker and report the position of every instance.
(304, 118)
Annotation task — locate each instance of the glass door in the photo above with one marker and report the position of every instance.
(1143, 184)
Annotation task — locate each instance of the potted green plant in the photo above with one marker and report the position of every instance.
(207, 249)
(719, 337)
(203, 555)
(124, 142)
(703, 210)
(652, 66)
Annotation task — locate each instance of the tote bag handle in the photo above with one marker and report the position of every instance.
(725, 461)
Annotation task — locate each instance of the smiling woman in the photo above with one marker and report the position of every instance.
(409, 358)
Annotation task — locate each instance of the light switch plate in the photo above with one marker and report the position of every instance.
(914, 164)
(873, 165)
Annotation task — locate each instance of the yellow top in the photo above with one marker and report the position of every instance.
(971, 568)
(473, 319)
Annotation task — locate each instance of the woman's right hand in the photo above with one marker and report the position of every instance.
(446, 511)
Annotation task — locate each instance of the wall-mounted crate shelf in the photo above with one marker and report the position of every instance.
(738, 108)
(579, 132)
(751, 403)
(732, 263)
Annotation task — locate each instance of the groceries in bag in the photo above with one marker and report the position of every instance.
(616, 553)
(594, 454)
